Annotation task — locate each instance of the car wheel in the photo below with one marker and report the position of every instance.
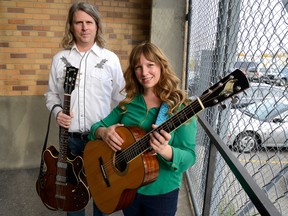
(245, 142)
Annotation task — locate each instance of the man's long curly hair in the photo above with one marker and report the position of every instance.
(69, 39)
(168, 86)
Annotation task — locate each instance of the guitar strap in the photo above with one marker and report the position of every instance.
(47, 134)
(162, 114)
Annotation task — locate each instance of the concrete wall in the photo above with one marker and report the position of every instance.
(168, 31)
(23, 123)
(23, 119)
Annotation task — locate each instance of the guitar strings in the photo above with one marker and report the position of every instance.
(137, 148)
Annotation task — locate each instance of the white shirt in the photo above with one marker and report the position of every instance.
(98, 85)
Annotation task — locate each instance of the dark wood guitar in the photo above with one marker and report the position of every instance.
(62, 183)
(114, 178)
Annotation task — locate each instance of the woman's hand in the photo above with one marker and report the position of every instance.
(159, 142)
(64, 120)
(110, 136)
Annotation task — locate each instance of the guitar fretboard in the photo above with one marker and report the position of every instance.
(169, 126)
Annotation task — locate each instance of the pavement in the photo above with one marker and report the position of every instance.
(18, 196)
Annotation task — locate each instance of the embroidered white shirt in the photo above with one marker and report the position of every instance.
(98, 85)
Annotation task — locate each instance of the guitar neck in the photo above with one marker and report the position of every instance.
(169, 126)
(181, 117)
(63, 132)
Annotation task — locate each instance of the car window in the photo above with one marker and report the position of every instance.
(245, 65)
(267, 110)
(261, 92)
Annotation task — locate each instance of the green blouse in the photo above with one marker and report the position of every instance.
(183, 142)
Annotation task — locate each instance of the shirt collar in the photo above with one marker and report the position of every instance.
(95, 48)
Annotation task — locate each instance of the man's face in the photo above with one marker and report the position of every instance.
(84, 29)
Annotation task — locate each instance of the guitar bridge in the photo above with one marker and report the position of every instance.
(104, 172)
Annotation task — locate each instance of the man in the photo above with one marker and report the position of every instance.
(99, 78)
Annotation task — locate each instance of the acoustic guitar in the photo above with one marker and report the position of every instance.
(61, 183)
(114, 177)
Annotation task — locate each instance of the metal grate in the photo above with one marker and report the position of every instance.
(251, 36)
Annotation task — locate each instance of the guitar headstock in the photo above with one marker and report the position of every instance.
(70, 79)
(227, 87)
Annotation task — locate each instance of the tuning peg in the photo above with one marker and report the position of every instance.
(220, 77)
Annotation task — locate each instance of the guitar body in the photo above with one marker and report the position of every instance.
(112, 182)
(73, 195)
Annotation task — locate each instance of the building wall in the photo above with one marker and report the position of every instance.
(30, 34)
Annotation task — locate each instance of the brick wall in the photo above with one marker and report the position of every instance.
(31, 32)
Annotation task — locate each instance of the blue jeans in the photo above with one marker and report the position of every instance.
(157, 205)
(96, 212)
(77, 147)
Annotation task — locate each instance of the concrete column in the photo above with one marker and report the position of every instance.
(168, 31)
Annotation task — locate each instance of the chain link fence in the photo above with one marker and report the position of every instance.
(251, 36)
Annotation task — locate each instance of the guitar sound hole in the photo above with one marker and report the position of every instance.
(120, 161)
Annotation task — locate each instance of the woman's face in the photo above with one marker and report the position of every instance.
(147, 73)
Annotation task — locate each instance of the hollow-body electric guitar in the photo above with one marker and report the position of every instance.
(62, 184)
(114, 177)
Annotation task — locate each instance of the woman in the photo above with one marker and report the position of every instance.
(150, 82)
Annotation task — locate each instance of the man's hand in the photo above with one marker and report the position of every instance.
(64, 120)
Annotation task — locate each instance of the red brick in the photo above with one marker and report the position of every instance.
(3, 66)
(4, 44)
(18, 55)
(15, 10)
(42, 82)
(20, 88)
(24, 27)
(27, 72)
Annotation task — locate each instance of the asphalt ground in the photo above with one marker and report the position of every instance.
(18, 196)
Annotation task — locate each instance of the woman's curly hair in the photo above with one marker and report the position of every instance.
(168, 86)
(69, 39)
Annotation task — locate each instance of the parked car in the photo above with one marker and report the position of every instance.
(281, 78)
(254, 74)
(256, 93)
(269, 75)
(250, 68)
(261, 124)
